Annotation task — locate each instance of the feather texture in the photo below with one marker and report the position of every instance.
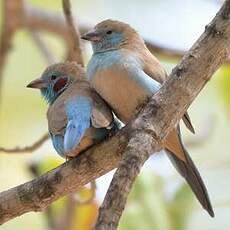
(74, 115)
(77, 116)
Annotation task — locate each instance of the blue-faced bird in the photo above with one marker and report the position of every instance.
(77, 116)
(125, 74)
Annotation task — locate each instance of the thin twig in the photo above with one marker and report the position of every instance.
(11, 9)
(50, 59)
(27, 149)
(75, 51)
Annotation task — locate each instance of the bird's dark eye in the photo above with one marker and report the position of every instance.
(109, 32)
(53, 77)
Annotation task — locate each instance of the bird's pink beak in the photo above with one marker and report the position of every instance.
(37, 84)
(92, 36)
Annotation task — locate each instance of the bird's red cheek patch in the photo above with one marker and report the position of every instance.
(60, 84)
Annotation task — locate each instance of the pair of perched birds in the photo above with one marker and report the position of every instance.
(122, 74)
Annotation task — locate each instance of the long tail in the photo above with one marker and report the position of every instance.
(191, 174)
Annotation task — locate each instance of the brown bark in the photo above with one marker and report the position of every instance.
(39, 193)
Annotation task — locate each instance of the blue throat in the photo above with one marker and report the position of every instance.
(108, 43)
(49, 95)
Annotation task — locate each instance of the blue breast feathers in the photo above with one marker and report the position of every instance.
(100, 61)
(129, 63)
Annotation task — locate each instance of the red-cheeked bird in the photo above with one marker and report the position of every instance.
(125, 74)
(77, 116)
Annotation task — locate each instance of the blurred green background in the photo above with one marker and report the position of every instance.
(160, 200)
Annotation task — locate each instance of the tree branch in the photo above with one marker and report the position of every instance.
(164, 51)
(27, 149)
(136, 153)
(11, 10)
(75, 51)
(164, 111)
(39, 193)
